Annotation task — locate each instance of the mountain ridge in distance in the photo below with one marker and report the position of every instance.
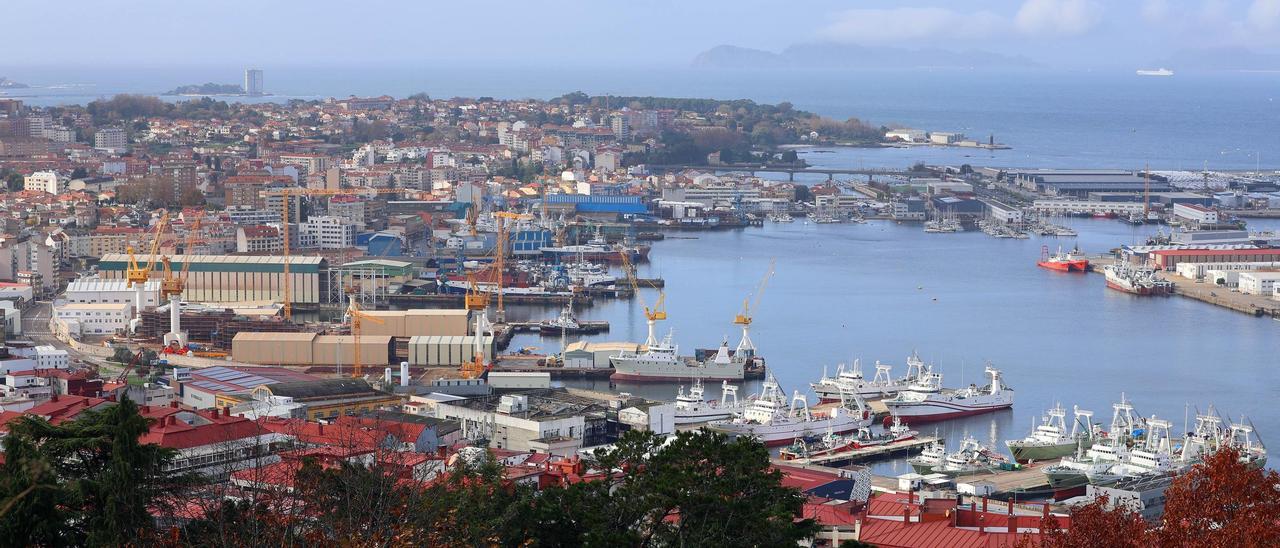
(849, 56)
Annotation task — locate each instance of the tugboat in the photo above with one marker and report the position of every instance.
(770, 419)
(926, 400)
(564, 324)
(1071, 261)
(1050, 440)
(692, 408)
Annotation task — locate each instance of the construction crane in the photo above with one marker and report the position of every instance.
(499, 258)
(659, 310)
(287, 296)
(123, 377)
(746, 348)
(172, 287)
(357, 317)
(136, 275)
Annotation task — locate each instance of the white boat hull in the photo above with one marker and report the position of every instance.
(785, 432)
(943, 407)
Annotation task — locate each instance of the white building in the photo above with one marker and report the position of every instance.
(111, 139)
(1198, 271)
(1196, 214)
(945, 138)
(327, 232)
(94, 290)
(1003, 213)
(45, 181)
(1061, 207)
(1259, 283)
(908, 135)
(95, 319)
(47, 357)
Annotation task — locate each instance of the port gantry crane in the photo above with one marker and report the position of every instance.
(477, 302)
(286, 299)
(747, 348)
(136, 275)
(658, 312)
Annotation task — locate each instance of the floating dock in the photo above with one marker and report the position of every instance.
(866, 454)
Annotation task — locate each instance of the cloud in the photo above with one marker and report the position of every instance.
(1155, 11)
(901, 25)
(1057, 17)
(1264, 15)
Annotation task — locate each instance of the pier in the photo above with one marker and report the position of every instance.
(865, 454)
(452, 299)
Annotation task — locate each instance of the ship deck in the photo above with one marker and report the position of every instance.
(868, 454)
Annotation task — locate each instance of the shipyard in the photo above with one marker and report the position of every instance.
(906, 276)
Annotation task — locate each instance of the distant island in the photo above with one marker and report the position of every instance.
(828, 56)
(207, 88)
(10, 84)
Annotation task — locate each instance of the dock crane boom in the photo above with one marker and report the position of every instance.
(746, 347)
(136, 275)
(652, 315)
(499, 257)
(357, 318)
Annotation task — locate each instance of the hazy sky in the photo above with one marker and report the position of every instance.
(1078, 33)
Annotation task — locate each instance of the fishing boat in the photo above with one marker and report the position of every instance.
(852, 381)
(1071, 261)
(1152, 457)
(933, 456)
(925, 400)
(1241, 437)
(660, 361)
(972, 458)
(1136, 280)
(1050, 439)
(1108, 449)
(831, 443)
(772, 420)
(693, 408)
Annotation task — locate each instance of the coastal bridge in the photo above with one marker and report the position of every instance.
(790, 170)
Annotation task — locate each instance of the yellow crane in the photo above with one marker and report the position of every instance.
(171, 288)
(357, 318)
(477, 302)
(136, 275)
(659, 310)
(746, 347)
(286, 299)
(499, 257)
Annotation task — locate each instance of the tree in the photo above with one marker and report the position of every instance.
(79, 173)
(1222, 502)
(790, 156)
(122, 355)
(1095, 524)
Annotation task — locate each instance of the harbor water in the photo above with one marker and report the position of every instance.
(880, 290)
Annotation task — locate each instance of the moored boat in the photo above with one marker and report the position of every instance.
(770, 419)
(1050, 439)
(1071, 261)
(1108, 449)
(972, 458)
(933, 456)
(693, 408)
(926, 400)
(851, 380)
(1137, 280)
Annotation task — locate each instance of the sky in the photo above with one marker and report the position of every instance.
(555, 33)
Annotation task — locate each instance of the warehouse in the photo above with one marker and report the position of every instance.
(595, 355)
(417, 322)
(97, 290)
(306, 349)
(1199, 271)
(435, 350)
(235, 278)
(1259, 283)
(1169, 259)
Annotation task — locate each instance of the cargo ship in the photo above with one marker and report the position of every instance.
(1071, 261)
(925, 400)
(1137, 280)
(770, 419)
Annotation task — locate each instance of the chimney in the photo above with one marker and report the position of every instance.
(173, 404)
(386, 377)
(404, 373)
(319, 427)
(906, 516)
(215, 412)
(226, 411)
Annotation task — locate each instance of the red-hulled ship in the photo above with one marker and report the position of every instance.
(1071, 261)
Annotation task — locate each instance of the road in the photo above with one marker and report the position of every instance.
(35, 327)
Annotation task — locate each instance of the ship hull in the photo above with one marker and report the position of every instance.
(916, 413)
(1027, 453)
(774, 435)
(699, 417)
(1065, 266)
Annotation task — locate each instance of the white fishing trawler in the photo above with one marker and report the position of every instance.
(851, 380)
(925, 400)
(1153, 456)
(933, 456)
(693, 408)
(1138, 280)
(774, 421)
(1108, 449)
(972, 458)
(660, 361)
(1050, 439)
